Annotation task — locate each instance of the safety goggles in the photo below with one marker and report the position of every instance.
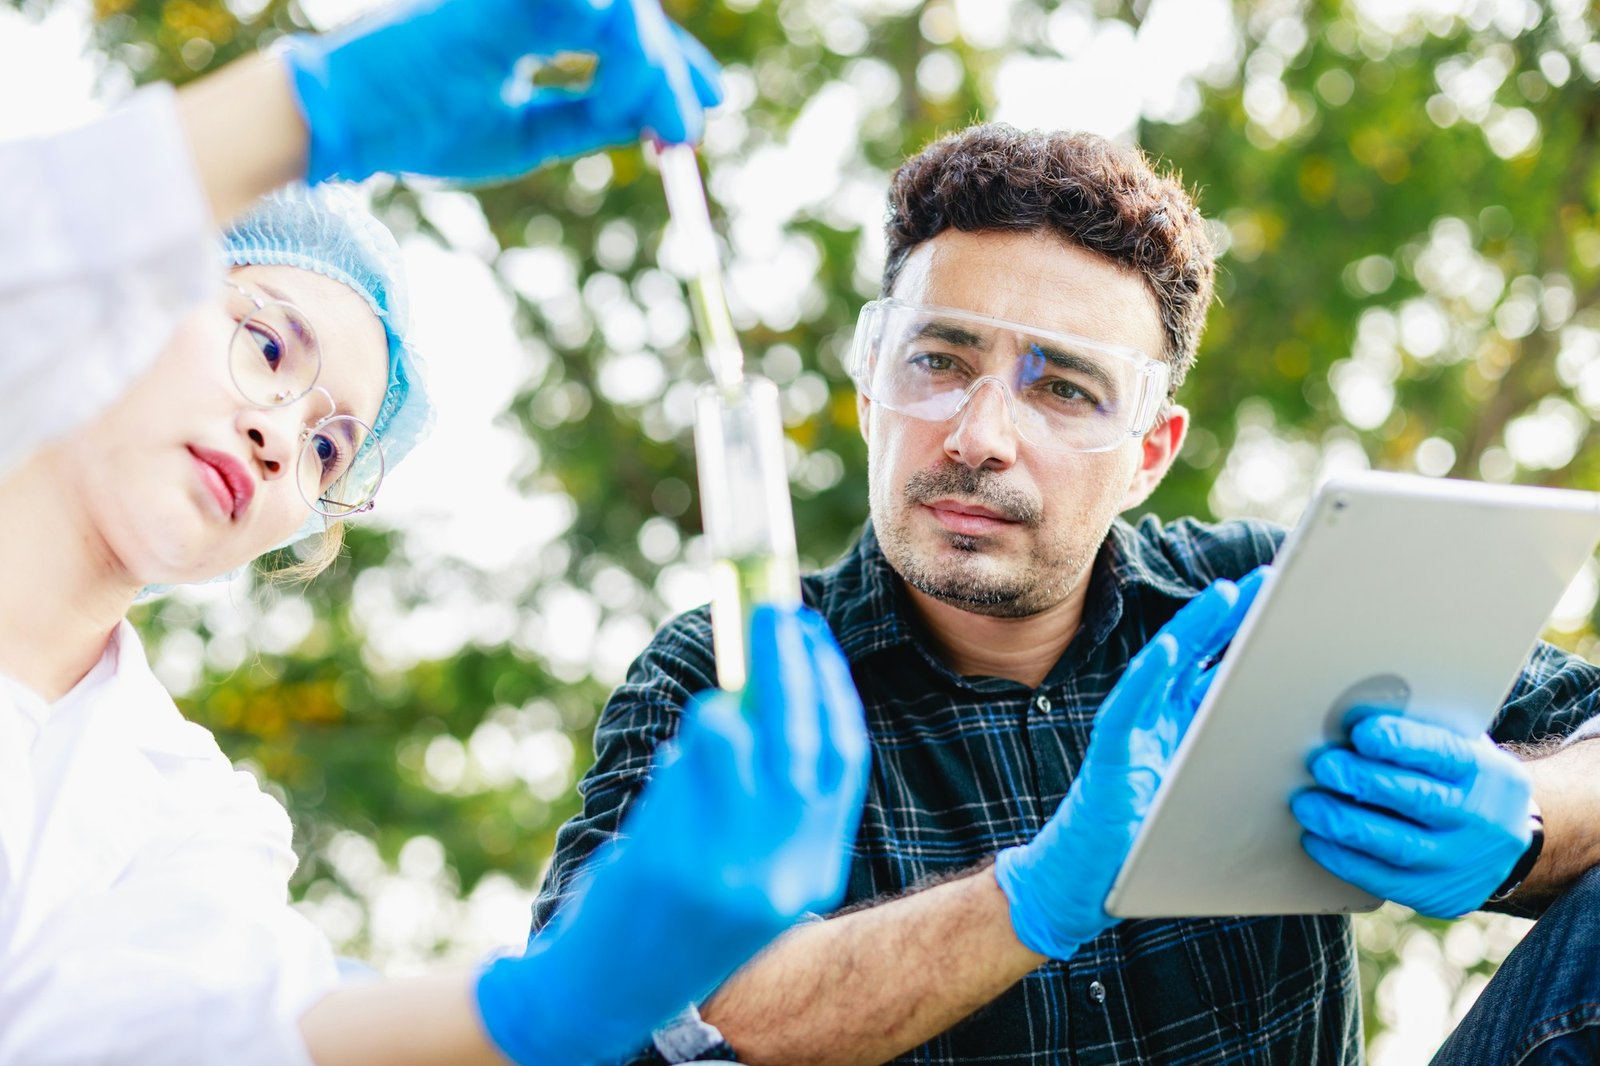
(1063, 393)
(274, 360)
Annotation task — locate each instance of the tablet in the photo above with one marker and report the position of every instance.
(1396, 590)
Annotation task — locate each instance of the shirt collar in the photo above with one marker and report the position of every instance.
(1135, 561)
(862, 598)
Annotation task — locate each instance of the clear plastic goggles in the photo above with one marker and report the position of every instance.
(1064, 393)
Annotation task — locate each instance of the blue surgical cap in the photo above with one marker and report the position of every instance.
(326, 229)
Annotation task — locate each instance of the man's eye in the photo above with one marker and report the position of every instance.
(933, 361)
(1062, 389)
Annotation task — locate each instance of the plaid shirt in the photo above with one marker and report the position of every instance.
(966, 766)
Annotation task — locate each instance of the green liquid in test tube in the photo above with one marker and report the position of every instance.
(739, 446)
(744, 505)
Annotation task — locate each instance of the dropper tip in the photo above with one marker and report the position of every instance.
(730, 380)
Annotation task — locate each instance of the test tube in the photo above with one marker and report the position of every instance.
(744, 504)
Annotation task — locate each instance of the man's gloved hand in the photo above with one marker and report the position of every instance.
(1417, 813)
(745, 825)
(1057, 882)
(426, 86)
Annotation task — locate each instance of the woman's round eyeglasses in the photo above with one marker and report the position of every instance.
(274, 360)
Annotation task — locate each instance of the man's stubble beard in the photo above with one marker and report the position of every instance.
(1033, 584)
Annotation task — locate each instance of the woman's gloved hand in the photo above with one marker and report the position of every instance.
(1057, 883)
(1417, 813)
(426, 86)
(745, 825)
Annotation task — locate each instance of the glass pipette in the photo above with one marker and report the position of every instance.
(686, 201)
(739, 446)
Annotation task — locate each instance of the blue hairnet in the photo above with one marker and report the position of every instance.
(326, 229)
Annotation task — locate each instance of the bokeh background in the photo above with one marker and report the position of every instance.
(1405, 195)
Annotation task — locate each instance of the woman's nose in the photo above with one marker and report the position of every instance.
(271, 435)
(275, 433)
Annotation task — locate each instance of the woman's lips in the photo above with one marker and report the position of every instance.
(967, 518)
(226, 479)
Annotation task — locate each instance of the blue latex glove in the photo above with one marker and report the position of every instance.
(745, 825)
(1057, 883)
(426, 86)
(1417, 813)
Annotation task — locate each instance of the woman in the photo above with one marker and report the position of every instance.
(150, 439)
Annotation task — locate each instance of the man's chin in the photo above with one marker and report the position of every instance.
(990, 601)
(971, 584)
(975, 573)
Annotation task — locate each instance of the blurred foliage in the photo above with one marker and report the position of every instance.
(1408, 204)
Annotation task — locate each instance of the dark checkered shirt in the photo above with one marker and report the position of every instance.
(966, 766)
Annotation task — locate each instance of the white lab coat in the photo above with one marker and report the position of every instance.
(105, 241)
(144, 908)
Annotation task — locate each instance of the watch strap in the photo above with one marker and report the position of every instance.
(1530, 858)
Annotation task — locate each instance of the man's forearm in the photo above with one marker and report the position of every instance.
(1566, 785)
(866, 986)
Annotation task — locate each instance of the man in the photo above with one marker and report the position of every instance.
(1038, 288)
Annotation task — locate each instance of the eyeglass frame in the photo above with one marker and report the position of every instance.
(261, 305)
(306, 432)
(1151, 402)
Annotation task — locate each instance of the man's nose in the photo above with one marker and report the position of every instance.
(985, 431)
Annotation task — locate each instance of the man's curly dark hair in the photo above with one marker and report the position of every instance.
(1103, 196)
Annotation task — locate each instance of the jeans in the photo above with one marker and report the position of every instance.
(1542, 1008)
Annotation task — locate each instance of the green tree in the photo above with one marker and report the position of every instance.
(1407, 201)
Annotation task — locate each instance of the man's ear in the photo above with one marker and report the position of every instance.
(863, 407)
(1157, 451)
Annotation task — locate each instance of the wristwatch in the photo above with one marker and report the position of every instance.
(1519, 873)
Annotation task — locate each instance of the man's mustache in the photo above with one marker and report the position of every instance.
(972, 486)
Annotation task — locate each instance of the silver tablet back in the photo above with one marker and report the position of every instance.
(1392, 590)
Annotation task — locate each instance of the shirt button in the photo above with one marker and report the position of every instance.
(1097, 991)
(1042, 702)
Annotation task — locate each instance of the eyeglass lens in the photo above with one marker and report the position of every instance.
(273, 356)
(340, 466)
